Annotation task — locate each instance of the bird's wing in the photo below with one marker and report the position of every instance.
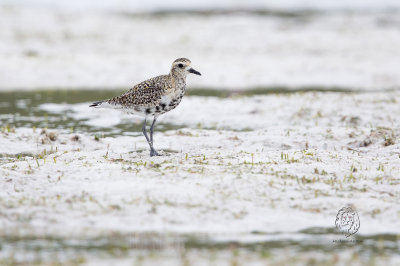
(145, 93)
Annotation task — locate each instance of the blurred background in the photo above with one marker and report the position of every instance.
(91, 44)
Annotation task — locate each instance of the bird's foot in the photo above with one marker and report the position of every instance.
(153, 152)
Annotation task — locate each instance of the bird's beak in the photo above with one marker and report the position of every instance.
(191, 70)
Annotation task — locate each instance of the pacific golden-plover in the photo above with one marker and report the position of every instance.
(153, 97)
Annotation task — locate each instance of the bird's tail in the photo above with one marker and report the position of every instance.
(96, 104)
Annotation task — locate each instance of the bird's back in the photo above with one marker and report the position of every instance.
(146, 93)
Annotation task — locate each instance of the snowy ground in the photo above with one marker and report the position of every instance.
(272, 171)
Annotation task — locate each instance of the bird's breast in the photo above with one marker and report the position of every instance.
(171, 99)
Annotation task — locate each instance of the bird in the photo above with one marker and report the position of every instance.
(153, 97)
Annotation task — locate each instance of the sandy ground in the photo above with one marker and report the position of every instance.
(243, 165)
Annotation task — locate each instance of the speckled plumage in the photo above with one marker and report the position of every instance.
(154, 96)
(150, 97)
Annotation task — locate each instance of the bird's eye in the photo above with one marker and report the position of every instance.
(180, 65)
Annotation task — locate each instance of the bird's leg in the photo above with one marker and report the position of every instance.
(153, 152)
(149, 140)
(151, 129)
(145, 135)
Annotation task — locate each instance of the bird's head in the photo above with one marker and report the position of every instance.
(181, 67)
